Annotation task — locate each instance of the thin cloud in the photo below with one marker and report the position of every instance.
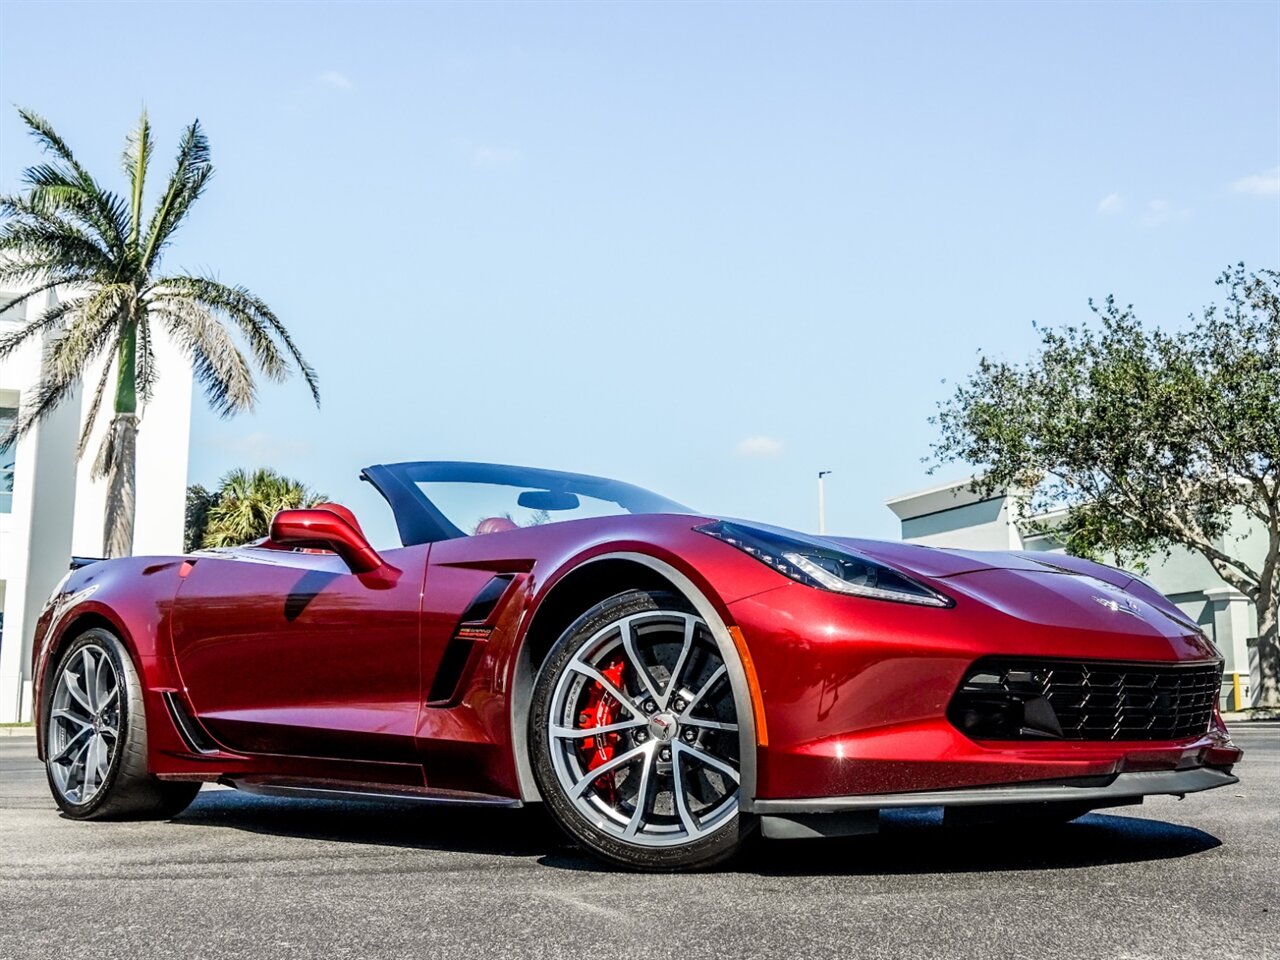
(1160, 212)
(759, 447)
(1265, 184)
(1111, 203)
(334, 79)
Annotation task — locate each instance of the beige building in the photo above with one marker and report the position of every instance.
(951, 515)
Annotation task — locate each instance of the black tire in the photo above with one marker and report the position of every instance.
(698, 854)
(127, 790)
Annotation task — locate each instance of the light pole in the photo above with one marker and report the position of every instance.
(822, 502)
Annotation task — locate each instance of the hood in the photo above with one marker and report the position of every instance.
(942, 562)
(1045, 588)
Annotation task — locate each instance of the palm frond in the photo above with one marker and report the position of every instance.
(31, 233)
(50, 319)
(95, 323)
(95, 406)
(191, 173)
(137, 155)
(268, 356)
(217, 363)
(254, 318)
(38, 403)
(146, 373)
(109, 216)
(248, 502)
(106, 457)
(53, 190)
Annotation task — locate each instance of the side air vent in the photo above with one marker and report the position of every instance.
(471, 629)
(482, 603)
(188, 727)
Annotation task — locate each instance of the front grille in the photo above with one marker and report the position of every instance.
(1078, 700)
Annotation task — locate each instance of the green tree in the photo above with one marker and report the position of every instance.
(199, 502)
(1149, 439)
(65, 230)
(247, 502)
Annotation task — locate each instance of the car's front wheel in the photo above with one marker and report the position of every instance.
(96, 737)
(633, 736)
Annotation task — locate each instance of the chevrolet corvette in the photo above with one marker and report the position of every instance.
(666, 683)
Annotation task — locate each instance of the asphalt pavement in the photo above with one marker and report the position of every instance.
(242, 876)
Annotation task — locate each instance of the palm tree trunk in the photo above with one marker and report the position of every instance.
(122, 448)
(122, 485)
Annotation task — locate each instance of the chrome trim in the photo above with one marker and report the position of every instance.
(1139, 784)
(522, 694)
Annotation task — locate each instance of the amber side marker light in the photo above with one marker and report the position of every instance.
(753, 686)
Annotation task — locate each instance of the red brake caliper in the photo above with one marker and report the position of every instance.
(600, 710)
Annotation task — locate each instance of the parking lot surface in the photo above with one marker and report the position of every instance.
(243, 876)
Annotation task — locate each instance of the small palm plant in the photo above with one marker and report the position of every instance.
(247, 502)
(65, 230)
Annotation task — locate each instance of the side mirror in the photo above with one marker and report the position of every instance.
(325, 530)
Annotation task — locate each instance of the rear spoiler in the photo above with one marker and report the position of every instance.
(78, 562)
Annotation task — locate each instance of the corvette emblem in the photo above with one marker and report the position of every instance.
(1120, 606)
(663, 727)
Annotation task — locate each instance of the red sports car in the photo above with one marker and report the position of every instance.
(664, 682)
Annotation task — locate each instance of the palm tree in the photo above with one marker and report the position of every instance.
(247, 502)
(65, 230)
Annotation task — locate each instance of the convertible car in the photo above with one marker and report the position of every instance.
(665, 683)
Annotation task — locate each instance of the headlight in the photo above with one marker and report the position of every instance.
(817, 565)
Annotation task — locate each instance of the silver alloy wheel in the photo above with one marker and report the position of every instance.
(84, 724)
(643, 731)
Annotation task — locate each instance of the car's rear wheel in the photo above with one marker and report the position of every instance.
(634, 736)
(96, 737)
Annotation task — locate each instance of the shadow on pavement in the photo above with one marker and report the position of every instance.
(518, 833)
(909, 841)
(917, 842)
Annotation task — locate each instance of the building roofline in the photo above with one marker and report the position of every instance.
(927, 491)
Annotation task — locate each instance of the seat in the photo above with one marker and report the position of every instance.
(495, 525)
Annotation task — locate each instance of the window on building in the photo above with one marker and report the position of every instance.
(7, 417)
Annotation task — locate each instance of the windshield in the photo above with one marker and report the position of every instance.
(435, 500)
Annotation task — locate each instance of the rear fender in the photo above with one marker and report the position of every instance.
(133, 598)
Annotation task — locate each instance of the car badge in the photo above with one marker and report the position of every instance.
(1120, 606)
(663, 727)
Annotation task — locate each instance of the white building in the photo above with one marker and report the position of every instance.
(50, 508)
(951, 515)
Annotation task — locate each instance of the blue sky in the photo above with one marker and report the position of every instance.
(707, 248)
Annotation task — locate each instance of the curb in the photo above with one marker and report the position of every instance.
(1251, 716)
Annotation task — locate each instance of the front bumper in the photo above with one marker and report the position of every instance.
(1102, 791)
(855, 693)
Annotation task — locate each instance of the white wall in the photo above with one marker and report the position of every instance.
(58, 508)
(163, 444)
(35, 540)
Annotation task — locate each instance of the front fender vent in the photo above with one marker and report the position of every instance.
(473, 628)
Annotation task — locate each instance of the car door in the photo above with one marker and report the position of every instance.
(287, 652)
